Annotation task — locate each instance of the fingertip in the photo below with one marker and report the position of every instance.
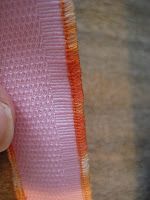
(7, 120)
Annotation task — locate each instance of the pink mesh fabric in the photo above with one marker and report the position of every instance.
(33, 70)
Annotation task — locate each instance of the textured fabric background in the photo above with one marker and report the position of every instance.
(114, 41)
(114, 50)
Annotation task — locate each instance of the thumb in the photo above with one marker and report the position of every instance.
(7, 119)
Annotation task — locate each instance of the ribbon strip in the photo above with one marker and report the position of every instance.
(40, 69)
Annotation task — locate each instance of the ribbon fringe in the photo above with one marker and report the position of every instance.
(74, 74)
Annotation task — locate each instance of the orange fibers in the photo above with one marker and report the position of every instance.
(16, 178)
(74, 74)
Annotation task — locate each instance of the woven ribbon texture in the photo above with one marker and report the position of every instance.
(33, 68)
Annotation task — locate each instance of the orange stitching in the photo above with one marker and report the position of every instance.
(74, 74)
(16, 178)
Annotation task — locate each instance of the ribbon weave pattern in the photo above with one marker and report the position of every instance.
(39, 67)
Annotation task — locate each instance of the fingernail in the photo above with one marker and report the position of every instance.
(6, 126)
